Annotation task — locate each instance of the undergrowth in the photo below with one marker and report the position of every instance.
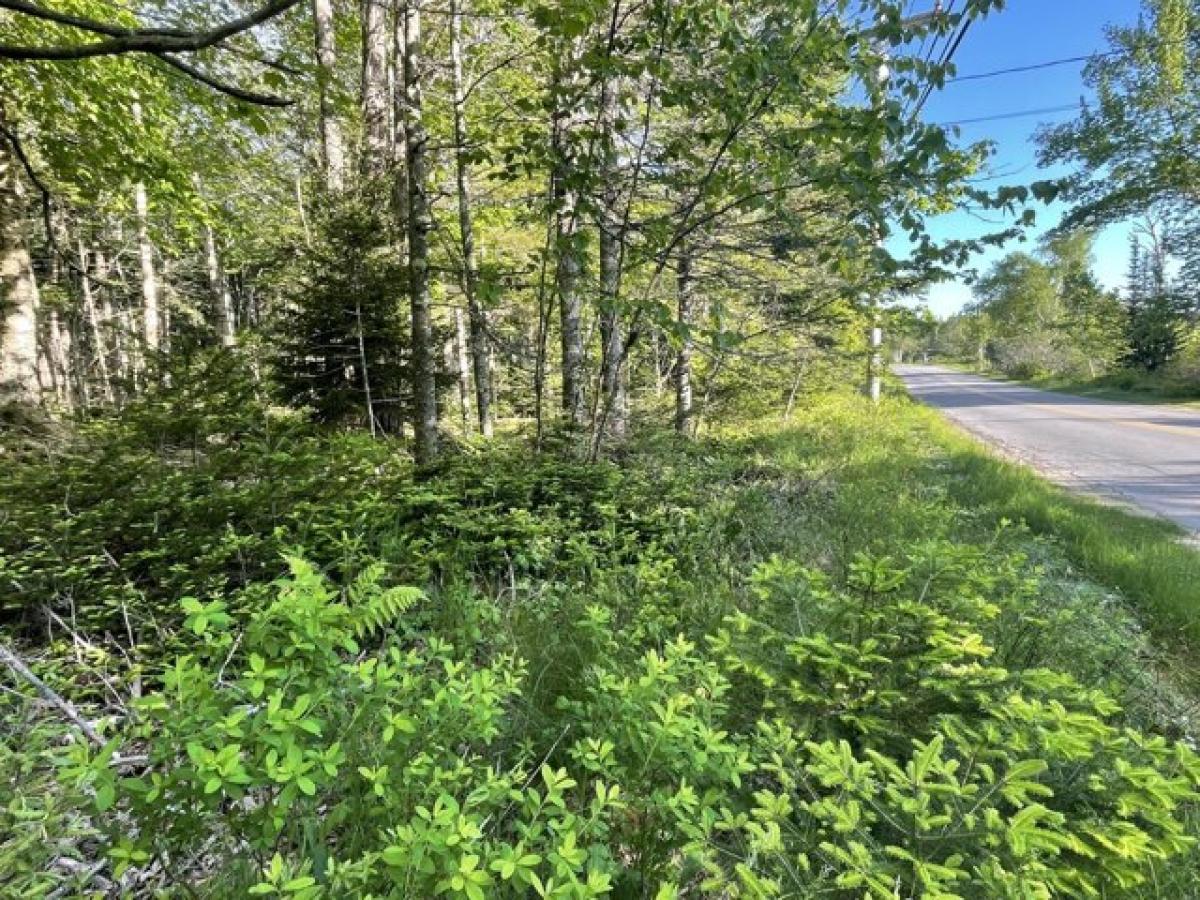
(821, 659)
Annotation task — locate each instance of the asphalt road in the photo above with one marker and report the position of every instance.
(1146, 456)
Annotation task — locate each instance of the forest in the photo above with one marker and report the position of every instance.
(435, 460)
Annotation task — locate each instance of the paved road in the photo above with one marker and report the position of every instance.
(1147, 456)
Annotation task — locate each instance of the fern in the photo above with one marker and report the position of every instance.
(373, 607)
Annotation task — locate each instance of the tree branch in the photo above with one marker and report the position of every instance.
(131, 40)
(14, 662)
(220, 86)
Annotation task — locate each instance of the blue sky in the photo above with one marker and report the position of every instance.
(1025, 32)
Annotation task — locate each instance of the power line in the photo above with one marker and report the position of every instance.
(946, 58)
(1066, 61)
(1034, 67)
(1012, 115)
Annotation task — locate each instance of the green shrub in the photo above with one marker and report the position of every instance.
(860, 742)
(783, 663)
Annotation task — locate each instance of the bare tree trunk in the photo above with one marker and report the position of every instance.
(124, 345)
(79, 365)
(96, 332)
(462, 368)
(541, 337)
(375, 87)
(333, 152)
(308, 241)
(366, 371)
(656, 348)
(420, 223)
(567, 274)
(151, 319)
(685, 285)
(219, 285)
(18, 291)
(57, 340)
(479, 337)
(612, 387)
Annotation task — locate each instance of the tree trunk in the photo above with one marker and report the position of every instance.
(120, 320)
(18, 291)
(376, 153)
(58, 350)
(366, 369)
(568, 269)
(95, 331)
(479, 338)
(420, 223)
(462, 369)
(333, 154)
(151, 318)
(685, 285)
(612, 387)
(219, 286)
(399, 141)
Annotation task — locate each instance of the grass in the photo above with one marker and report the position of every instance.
(1123, 385)
(1144, 558)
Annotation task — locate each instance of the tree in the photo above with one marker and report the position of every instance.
(1134, 147)
(420, 223)
(332, 149)
(480, 358)
(1154, 315)
(18, 288)
(163, 44)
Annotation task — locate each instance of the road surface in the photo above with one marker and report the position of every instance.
(1146, 456)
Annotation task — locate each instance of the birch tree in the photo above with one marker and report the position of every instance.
(420, 223)
(480, 355)
(18, 288)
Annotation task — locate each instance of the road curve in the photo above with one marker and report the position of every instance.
(1147, 456)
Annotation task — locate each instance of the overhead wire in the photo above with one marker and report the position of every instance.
(1012, 115)
(947, 57)
(1065, 61)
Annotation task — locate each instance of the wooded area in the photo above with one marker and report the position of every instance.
(458, 213)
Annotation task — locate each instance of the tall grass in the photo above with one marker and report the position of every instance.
(1147, 559)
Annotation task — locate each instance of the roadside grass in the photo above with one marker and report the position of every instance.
(1146, 559)
(1124, 385)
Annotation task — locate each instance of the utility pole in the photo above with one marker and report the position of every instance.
(874, 386)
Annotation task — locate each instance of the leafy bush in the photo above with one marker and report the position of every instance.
(327, 749)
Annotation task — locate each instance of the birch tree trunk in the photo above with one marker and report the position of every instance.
(96, 332)
(18, 291)
(420, 223)
(462, 369)
(333, 152)
(612, 387)
(478, 317)
(376, 152)
(568, 264)
(151, 318)
(219, 286)
(685, 287)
